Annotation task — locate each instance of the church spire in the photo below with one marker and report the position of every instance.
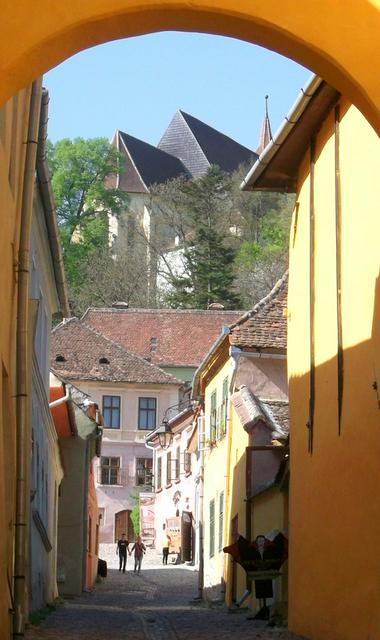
(266, 133)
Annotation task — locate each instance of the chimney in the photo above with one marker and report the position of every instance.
(215, 306)
(119, 304)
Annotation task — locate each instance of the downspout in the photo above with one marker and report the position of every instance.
(59, 401)
(227, 508)
(23, 370)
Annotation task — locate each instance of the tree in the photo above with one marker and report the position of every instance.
(198, 213)
(85, 193)
(103, 279)
(82, 174)
(262, 257)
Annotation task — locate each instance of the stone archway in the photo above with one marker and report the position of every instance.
(335, 39)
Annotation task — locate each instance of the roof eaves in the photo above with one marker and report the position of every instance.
(282, 133)
(263, 302)
(50, 209)
(212, 350)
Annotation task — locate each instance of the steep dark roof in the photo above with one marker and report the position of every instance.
(85, 354)
(198, 146)
(265, 326)
(145, 165)
(169, 337)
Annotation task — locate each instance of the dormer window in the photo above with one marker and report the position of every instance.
(60, 358)
(104, 361)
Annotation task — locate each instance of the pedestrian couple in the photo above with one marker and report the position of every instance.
(122, 549)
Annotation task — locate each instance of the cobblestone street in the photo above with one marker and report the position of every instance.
(155, 605)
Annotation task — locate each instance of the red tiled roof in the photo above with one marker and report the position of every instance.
(169, 337)
(80, 348)
(264, 327)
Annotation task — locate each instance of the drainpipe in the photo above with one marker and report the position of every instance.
(23, 370)
(59, 401)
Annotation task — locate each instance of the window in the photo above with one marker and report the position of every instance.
(168, 467)
(109, 471)
(159, 474)
(221, 518)
(223, 409)
(111, 412)
(187, 462)
(177, 463)
(147, 413)
(102, 513)
(212, 527)
(144, 472)
(213, 417)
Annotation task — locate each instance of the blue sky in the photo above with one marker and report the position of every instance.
(137, 85)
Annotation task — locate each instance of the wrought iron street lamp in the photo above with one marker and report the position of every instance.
(165, 436)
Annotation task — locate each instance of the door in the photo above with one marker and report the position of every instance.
(123, 524)
(186, 536)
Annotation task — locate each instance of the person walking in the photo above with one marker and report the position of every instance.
(165, 548)
(121, 551)
(139, 549)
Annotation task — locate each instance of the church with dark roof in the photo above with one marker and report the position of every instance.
(187, 148)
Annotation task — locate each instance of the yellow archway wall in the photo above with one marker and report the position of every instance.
(336, 39)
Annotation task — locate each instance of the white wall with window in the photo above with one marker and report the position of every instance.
(174, 485)
(130, 412)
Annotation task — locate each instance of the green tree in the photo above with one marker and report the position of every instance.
(83, 180)
(84, 186)
(199, 214)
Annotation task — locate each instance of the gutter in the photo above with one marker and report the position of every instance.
(235, 352)
(217, 343)
(282, 133)
(49, 208)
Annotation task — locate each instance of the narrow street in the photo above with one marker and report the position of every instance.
(155, 605)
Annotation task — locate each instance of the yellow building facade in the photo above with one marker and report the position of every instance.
(14, 120)
(330, 156)
(234, 502)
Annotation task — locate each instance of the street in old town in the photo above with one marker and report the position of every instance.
(158, 604)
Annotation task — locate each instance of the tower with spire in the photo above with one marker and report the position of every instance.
(266, 132)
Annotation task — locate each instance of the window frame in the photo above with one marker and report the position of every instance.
(187, 462)
(178, 464)
(213, 416)
(112, 409)
(168, 468)
(221, 521)
(103, 467)
(148, 411)
(145, 470)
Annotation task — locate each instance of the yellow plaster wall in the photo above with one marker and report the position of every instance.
(13, 128)
(215, 472)
(334, 566)
(236, 499)
(337, 40)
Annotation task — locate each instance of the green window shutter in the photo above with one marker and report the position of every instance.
(212, 528)
(221, 520)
